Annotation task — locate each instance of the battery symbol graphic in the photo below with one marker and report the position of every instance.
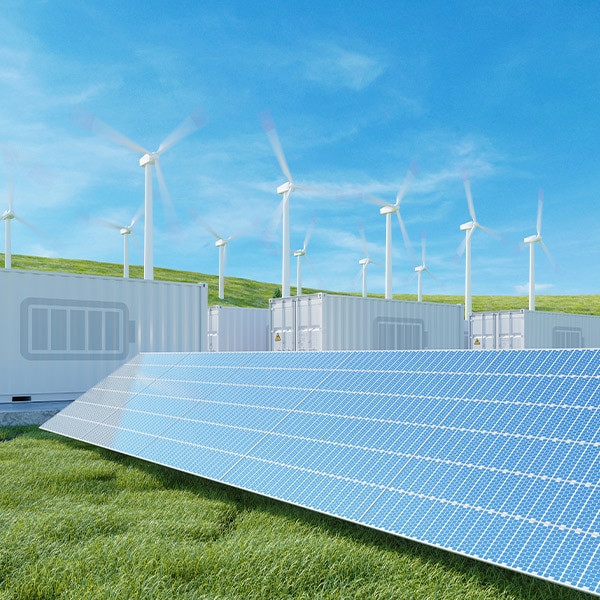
(57, 329)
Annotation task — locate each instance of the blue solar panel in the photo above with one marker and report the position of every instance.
(490, 454)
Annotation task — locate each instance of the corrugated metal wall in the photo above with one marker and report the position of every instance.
(62, 333)
(236, 329)
(331, 322)
(283, 323)
(534, 329)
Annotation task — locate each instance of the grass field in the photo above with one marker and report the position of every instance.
(79, 522)
(245, 292)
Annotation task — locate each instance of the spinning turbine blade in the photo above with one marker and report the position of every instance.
(110, 224)
(10, 194)
(547, 252)
(91, 123)
(211, 230)
(137, 216)
(405, 184)
(165, 195)
(404, 233)
(308, 234)
(190, 124)
(310, 264)
(275, 219)
(269, 127)
(135, 241)
(539, 213)
(461, 247)
(489, 231)
(467, 185)
(28, 224)
(363, 239)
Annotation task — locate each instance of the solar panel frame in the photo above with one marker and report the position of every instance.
(490, 454)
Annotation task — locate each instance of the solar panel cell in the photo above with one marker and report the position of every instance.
(493, 454)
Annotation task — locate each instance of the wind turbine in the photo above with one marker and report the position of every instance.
(364, 262)
(221, 244)
(420, 269)
(388, 210)
(126, 231)
(469, 228)
(285, 190)
(7, 216)
(147, 161)
(532, 240)
(299, 254)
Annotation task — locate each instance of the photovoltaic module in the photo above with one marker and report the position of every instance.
(490, 454)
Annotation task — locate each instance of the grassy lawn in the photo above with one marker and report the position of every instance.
(80, 522)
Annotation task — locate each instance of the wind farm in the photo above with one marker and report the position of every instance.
(355, 199)
(387, 209)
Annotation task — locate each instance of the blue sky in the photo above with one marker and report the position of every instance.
(508, 92)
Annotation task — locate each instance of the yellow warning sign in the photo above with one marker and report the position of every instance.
(277, 337)
(477, 342)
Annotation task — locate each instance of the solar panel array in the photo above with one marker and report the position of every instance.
(490, 454)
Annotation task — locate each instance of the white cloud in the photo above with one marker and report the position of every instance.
(539, 287)
(334, 67)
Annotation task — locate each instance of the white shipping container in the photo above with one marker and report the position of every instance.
(236, 329)
(330, 322)
(533, 329)
(283, 323)
(62, 333)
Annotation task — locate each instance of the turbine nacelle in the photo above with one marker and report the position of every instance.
(420, 269)
(149, 158)
(389, 209)
(468, 226)
(300, 252)
(286, 187)
(532, 239)
(126, 230)
(7, 215)
(365, 261)
(221, 242)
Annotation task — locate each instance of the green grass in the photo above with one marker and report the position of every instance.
(246, 292)
(79, 522)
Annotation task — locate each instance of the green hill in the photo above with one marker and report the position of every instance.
(246, 292)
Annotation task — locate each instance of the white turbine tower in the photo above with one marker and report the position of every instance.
(365, 262)
(532, 240)
(7, 216)
(221, 244)
(285, 190)
(421, 269)
(148, 160)
(388, 210)
(299, 254)
(469, 228)
(125, 231)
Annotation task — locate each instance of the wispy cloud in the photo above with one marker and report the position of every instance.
(523, 288)
(333, 67)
